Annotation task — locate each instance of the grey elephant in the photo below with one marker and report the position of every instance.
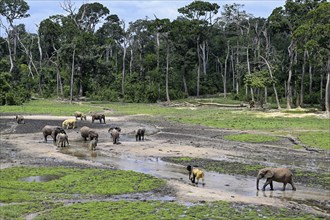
(140, 134)
(282, 175)
(114, 134)
(89, 133)
(62, 140)
(20, 119)
(80, 115)
(92, 144)
(53, 131)
(97, 116)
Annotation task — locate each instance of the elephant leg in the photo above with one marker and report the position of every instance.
(266, 183)
(271, 185)
(293, 187)
(284, 185)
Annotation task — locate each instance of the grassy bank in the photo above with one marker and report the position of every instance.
(72, 193)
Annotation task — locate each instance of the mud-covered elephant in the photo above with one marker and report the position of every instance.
(20, 119)
(62, 140)
(69, 123)
(80, 115)
(282, 175)
(92, 144)
(139, 135)
(89, 133)
(114, 134)
(53, 131)
(195, 174)
(97, 116)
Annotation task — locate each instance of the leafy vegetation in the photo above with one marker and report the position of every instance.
(227, 50)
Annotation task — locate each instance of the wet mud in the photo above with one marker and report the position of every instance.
(23, 145)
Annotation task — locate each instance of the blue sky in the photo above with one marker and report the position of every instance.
(131, 10)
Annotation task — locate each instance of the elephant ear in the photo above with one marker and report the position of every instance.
(269, 174)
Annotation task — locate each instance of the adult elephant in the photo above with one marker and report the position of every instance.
(87, 132)
(282, 175)
(97, 116)
(53, 131)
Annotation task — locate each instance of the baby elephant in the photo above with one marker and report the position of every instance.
(92, 144)
(98, 117)
(62, 139)
(20, 119)
(140, 134)
(114, 134)
(69, 123)
(80, 115)
(196, 174)
(282, 175)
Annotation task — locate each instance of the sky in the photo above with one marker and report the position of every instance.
(132, 10)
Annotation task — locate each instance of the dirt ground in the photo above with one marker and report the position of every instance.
(22, 144)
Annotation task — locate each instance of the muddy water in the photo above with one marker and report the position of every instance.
(236, 185)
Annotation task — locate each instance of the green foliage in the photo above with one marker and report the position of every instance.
(253, 138)
(259, 79)
(17, 96)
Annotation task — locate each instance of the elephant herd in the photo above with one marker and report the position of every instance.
(60, 136)
(282, 175)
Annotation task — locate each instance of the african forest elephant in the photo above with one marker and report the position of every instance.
(100, 117)
(92, 144)
(53, 131)
(20, 119)
(62, 139)
(69, 123)
(140, 134)
(114, 134)
(79, 115)
(89, 133)
(196, 174)
(282, 175)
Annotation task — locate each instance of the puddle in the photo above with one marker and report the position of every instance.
(44, 178)
(235, 184)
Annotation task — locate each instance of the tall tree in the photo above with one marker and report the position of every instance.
(12, 10)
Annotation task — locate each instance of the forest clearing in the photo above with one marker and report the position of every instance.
(170, 145)
(108, 118)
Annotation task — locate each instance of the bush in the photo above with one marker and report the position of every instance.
(17, 96)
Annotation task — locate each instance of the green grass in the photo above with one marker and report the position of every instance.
(71, 181)
(241, 119)
(51, 107)
(252, 138)
(18, 211)
(316, 139)
(168, 210)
